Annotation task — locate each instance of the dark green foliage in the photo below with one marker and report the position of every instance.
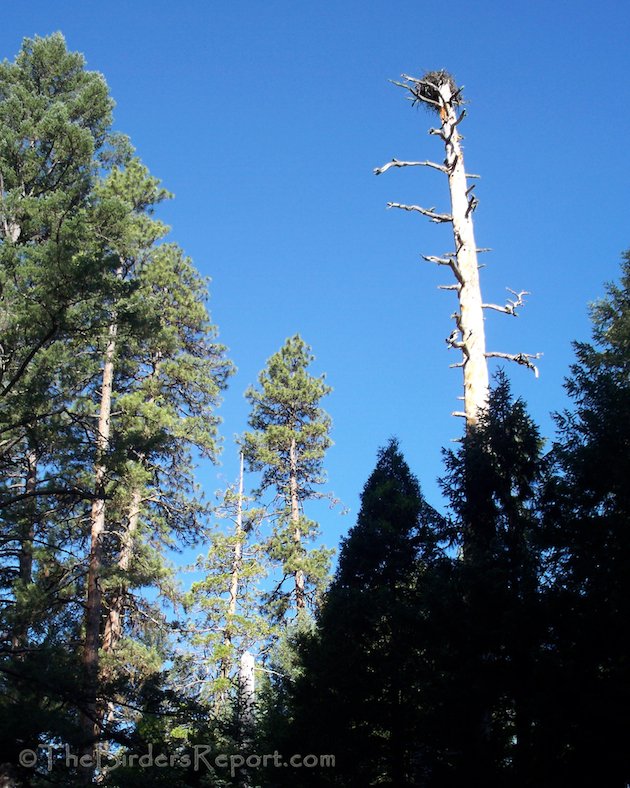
(424, 666)
(588, 515)
(358, 689)
(492, 481)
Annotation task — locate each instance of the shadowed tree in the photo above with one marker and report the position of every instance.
(490, 698)
(588, 515)
(357, 688)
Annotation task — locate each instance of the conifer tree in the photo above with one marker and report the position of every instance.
(490, 703)
(588, 510)
(227, 599)
(110, 375)
(287, 444)
(55, 141)
(357, 690)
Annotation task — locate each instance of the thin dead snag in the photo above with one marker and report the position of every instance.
(235, 580)
(438, 92)
(237, 559)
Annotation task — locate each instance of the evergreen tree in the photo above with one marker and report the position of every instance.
(588, 514)
(55, 141)
(110, 377)
(289, 437)
(228, 601)
(357, 689)
(487, 714)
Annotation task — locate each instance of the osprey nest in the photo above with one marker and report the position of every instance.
(426, 89)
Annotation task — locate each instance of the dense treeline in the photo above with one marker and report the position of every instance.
(485, 645)
(488, 648)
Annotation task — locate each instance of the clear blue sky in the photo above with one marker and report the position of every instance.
(266, 119)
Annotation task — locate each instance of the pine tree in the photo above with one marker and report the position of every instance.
(225, 605)
(287, 444)
(165, 388)
(55, 141)
(111, 375)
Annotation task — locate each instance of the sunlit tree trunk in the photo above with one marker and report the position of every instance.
(94, 602)
(470, 320)
(114, 621)
(437, 91)
(235, 573)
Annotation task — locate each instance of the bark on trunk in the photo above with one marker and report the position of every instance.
(298, 575)
(113, 624)
(94, 603)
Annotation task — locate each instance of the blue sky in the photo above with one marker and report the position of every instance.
(266, 121)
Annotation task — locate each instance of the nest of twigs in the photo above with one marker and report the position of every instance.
(426, 89)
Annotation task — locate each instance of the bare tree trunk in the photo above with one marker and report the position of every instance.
(238, 553)
(247, 694)
(235, 575)
(247, 709)
(470, 320)
(94, 603)
(298, 575)
(438, 92)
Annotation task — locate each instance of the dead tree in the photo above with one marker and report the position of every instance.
(438, 92)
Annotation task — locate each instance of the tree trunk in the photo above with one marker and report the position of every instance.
(94, 603)
(113, 624)
(470, 320)
(235, 573)
(247, 694)
(300, 595)
(246, 710)
(26, 535)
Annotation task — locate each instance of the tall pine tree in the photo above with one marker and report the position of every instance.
(287, 443)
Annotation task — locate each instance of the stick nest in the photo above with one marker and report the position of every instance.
(427, 89)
